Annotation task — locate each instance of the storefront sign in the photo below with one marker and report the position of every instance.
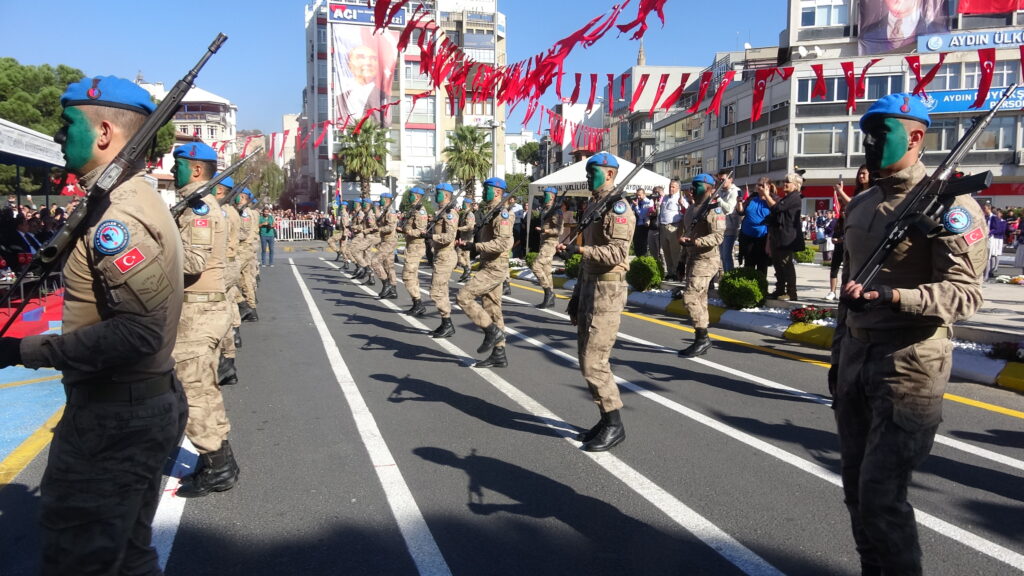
(947, 101)
(1005, 38)
(349, 14)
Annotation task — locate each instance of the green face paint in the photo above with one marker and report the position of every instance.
(76, 138)
(885, 143)
(439, 197)
(595, 178)
(182, 172)
(699, 190)
(488, 193)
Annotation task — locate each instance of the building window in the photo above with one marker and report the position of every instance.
(742, 155)
(875, 88)
(321, 103)
(819, 13)
(821, 139)
(480, 54)
(947, 78)
(321, 69)
(779, 142)
(423, 113)
(422, 173)
(420, 143)
(211, 132)
(999, 135)
(728, 157)
(760, 141)
(1004, 74)
(941, 136)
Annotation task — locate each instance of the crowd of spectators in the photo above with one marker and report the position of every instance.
(25, 228)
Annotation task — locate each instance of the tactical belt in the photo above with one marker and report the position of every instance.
(232, 258)
(608, 277)
(102, 391)
(895, 336)
(204, 297)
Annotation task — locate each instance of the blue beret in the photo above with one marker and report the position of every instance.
(108, 91)
(496, 182)
(467, 200)
(344, 202)
(550, 189)
(899, 105)
(445, 186)
(248, 193)
(386, 195)
(705, 178)
(376, 203)
(417, 191)
(603, 159)
(227, 182)
(196, 151)
(358, 201)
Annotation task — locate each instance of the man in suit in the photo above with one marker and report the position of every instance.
(362, 92)
(899, 26)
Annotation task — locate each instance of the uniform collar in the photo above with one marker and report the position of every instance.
(902, 181)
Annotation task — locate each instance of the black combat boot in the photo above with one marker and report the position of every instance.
(337, 257)
(506, 288)
(611, 434)
(244, 310)
(418, 309)
(238, 338)
(392, 293)
(497, 359)
(253, 316)
(344, 266)
(226, 373)
(217, 472)
(465, 275)
(549, 299)
(492, 335)
(589, 435)
(701, 345)
(370, 279)
(361, 272)
(445, 330)
(385, 287)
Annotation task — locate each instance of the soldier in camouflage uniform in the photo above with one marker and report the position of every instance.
(227, 375)
(442, 239)
(205, 319)
(467, 227)
(599, 298)
(336, 242)
(550, 229)
(703, 232)
(357, 245)
(892, 354)
(372, 234)
(384, 262)
(415, 247)
(123, 287)
(493, 247)
(248, 255)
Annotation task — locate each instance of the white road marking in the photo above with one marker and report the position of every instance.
(716, 538)
(169, 511)
(418, 539)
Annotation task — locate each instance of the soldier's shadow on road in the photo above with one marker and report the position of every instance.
(354, 318)
(409, 389)
(19, 511)
(406, 351)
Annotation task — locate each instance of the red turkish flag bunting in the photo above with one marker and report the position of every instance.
(643, 10)
(674, 96)
(639, 90)
(989, 6)
(863, 76)
(761, 78)
(576, 89)
(851, 86)
(915, 67)
(987, 64)
(611, 94)
(593, 93)
(622, 85)
(657, 94)
(716, 102)
(820, 90)
(702, 91)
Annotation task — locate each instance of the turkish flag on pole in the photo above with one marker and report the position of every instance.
(639, 90)
(760, 87)
(835, 204)
(851, 86)
(593, 93)
(819, 90)
(716, 102)
(576, 89)
(673, 97)
(915, 67)
(705, 81)
(657, 94)
(611, 94)
(987, 63)
(989, 6)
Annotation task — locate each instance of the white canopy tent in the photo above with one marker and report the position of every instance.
(572, 181)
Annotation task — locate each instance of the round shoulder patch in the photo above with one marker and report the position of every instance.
(111, 237)
(620, 207)
(245, 213)
(956, 219)
(504, 214)
(449, 216)
(201, 209)
(423, 211)
(223, 212)
(718, 210)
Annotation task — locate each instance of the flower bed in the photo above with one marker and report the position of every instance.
(811, 314)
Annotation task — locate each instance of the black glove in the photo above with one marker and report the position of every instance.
(861, 304)
(571, 250)
(10, 352)
(428, 235)
(572, 309)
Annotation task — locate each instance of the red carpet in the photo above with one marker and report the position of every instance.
(37, 315)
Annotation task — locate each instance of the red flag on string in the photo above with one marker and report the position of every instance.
(784, 73)
(644, 10)
(284, 139)
(593, 92)
(531, 108)
(611, 94)
(622, 86)
(273, 139)
(702, 91)
(923, 83)
(987, 65)
(576, 89)
(819, 90)
(380, 12)
(851, 86)
(716, 102)
(639, 90)
(414, 23)
(657, 94)
(989, 6)
(861, 88)
(672, 98)
(245, 148)
(760, 87)
(323, 132)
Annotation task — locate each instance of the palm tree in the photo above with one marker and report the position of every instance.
(468, 156)
(362, 155)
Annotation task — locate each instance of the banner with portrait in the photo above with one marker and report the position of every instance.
(364, 65)
(888, 26)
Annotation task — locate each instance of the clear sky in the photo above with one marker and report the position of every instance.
(261, 68)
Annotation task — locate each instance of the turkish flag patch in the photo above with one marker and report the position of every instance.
(201, 223)
(974, 236)
(131, 259)
(620, 220)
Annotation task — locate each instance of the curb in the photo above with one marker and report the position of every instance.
(967, 366)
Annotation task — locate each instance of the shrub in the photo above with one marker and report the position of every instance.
(572, 266)
(810, 314)
(743, 288)
(806, 255)
(644, 273)
(1012, 351)
(531, 257)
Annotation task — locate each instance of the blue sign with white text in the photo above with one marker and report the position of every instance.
(960, 101)
(341, 12)
(971, 40)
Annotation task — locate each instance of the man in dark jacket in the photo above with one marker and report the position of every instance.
(784, 235)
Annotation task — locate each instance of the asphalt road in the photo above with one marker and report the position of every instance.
(367, 447)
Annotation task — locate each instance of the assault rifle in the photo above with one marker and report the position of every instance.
(97, 197)
(440, 214)
(211, 184)
(926, 204)
(711, 203)
(494, 211)
(596, 211)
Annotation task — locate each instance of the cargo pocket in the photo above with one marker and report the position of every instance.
(609, 297)
(921, 370)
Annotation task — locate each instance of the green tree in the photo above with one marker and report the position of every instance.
(517, 183)
(529, 153)
(468, 156)
(362, 155)
(267, 179)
